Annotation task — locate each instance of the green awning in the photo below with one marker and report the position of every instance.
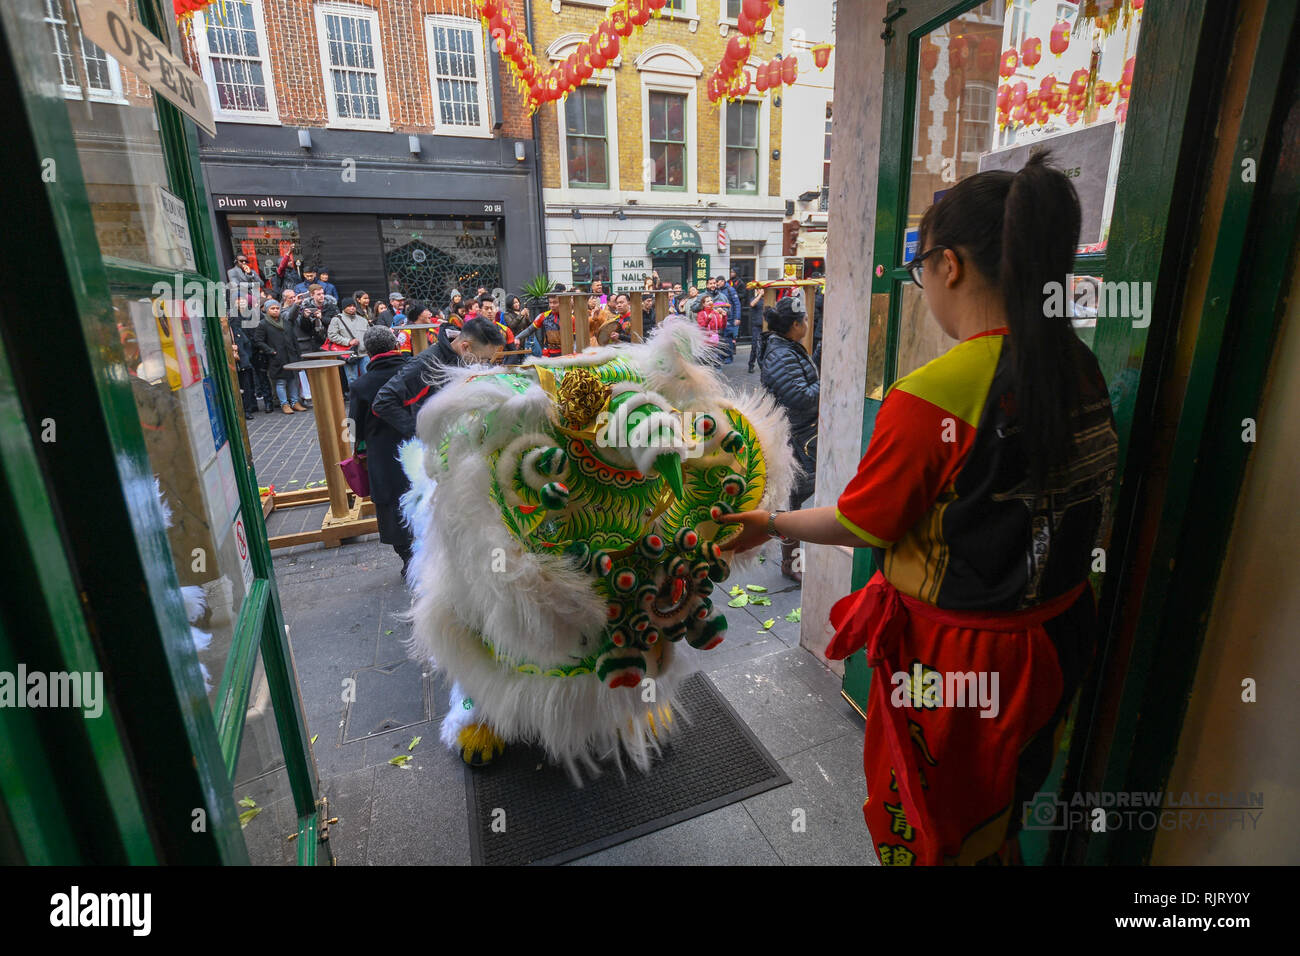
(672, 237)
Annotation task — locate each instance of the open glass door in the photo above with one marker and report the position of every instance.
(145, 344)
(976, 86)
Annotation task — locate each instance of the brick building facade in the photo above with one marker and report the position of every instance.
(384, 139)
(640, 172)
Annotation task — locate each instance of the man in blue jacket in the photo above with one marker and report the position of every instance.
(724, 291)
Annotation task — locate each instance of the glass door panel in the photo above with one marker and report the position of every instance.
(172, 368)
(996, 83)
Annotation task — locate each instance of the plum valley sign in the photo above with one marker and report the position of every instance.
(131, 43)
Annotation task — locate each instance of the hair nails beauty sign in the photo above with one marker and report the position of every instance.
(149, 58)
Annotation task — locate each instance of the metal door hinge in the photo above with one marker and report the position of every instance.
(893, 12)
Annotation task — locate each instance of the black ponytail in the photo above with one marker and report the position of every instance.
(1020, 231)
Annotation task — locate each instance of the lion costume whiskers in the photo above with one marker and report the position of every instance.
(566, 540)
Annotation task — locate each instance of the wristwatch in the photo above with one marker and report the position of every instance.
(771, 527)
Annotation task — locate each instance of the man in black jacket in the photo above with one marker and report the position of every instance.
(406, 392)
(379, 440)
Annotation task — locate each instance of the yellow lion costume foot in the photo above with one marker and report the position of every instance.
(479, 745)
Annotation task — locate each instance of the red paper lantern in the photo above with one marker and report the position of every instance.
(619, 21)
(1078, 81)
(488, 8)
(1104, 92)
(1121, 111)
(738, 49)
(1127, 76)
(822, 55)
(746, 25)
(1072, 116)
(1010, 60)
(656, 4)
(1047, 83)
(755, 9)
(1004, 97)
(1044, 114)
(1060, 40)
(741, 85)
(1019, 93)
(1031, 51)
(608, 43)
(1139, 4)
(638, 11)
(1031, 103)
(762, 78)
(789, 70)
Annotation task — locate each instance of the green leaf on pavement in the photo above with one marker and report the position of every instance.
(739, 600)
(313, 737)
(768, 623)
(401, 761)
(756, 587)
(795, 616)
(248, 802)
(761, 601)
(246, 817)
(414, 742)
(735, 590)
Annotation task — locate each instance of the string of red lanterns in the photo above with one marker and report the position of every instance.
(594, 53)
(731, 78)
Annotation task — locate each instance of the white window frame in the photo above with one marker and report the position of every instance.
(764, 147)
(271, 116)
(970, 156)
(1013, 41)
(484, 128)
(664, 83)
(71, 92)
(556, 52)
(611, 141)
(383, 124)
(722, 13)
(654, 78)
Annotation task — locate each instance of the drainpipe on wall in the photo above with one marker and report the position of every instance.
(537, 154)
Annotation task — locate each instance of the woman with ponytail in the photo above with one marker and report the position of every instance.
(983, 494)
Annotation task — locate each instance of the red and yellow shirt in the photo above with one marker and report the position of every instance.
(942, 493)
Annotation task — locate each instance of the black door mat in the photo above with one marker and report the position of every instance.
(711, 762)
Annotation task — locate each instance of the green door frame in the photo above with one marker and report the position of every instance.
(1158, 170)
(1249, 278)
(78, 505)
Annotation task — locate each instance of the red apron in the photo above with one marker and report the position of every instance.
(940, 760)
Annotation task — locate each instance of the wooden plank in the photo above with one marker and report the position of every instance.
(566, 324)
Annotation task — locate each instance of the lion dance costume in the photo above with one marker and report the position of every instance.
(567, 544)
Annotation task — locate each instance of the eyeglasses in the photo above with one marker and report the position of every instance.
(917, 265)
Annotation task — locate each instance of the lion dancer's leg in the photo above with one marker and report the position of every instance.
(475, 741)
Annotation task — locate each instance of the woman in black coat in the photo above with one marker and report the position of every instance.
(379, 440)
(790, 376)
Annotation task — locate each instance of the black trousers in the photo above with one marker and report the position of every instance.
(247, 390)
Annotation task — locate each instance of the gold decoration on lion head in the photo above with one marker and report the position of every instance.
(579, 397)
